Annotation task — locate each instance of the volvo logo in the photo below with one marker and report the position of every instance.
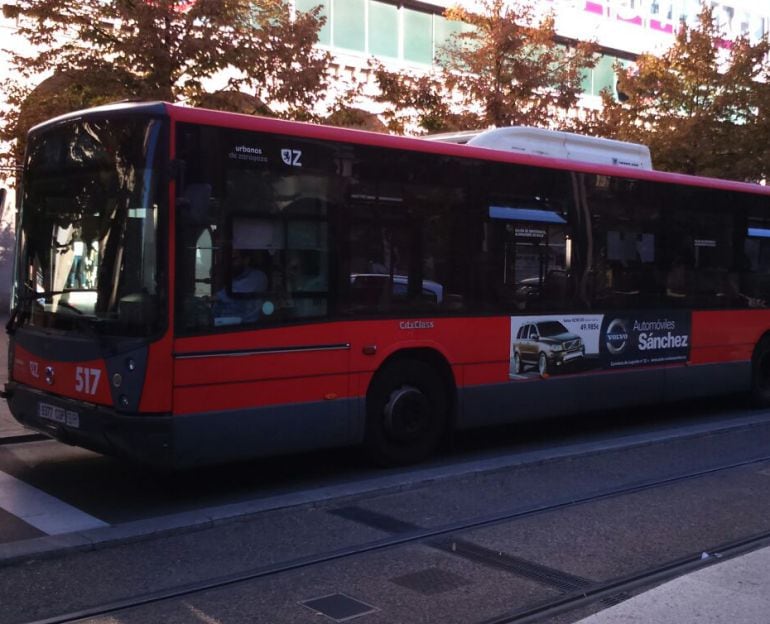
(616, 336)
(49, 375)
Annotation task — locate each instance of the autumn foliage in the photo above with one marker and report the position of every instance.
(701, 106)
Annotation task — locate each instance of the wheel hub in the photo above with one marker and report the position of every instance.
(407, 414)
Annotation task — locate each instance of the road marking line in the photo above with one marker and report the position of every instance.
(43, 511)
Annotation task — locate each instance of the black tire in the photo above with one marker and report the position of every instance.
(406, 413)
(518, 367)
(542, 364)
(760, 374)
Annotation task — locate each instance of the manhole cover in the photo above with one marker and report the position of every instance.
(339, 607)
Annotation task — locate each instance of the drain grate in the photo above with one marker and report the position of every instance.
(339, 607)
(431, 581)
(616, 599)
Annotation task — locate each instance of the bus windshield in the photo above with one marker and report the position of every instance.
(88, 252)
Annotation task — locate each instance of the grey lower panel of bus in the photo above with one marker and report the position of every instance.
(244, 434)
(274, 430)
(563, 396)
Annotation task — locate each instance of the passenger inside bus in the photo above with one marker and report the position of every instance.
(246, 280)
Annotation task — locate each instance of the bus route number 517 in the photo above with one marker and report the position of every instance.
(87, 379)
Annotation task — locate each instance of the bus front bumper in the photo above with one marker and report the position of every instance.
(142, 438)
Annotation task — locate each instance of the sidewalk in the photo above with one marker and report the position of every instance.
(9, 428)
(736, 591)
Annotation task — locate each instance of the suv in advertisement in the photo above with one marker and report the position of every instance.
(545, 344)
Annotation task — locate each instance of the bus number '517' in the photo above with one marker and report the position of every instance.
(87, 379)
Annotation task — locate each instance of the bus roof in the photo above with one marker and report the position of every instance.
(555, 144)
(242, 121)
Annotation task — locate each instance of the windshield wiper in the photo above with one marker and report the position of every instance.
(45, 294)
(15, 320)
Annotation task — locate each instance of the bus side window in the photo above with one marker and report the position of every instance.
(629, 266)
(307, 282)
(204, 263)
(535, 259)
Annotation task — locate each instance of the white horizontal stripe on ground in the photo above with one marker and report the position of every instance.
(43, 511)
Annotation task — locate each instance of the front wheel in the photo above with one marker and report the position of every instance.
(542, 364)
(406, 413)
(517, 366)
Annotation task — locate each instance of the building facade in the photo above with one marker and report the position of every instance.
(408, 35)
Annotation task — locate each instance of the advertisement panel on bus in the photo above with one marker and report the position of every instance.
(553, 344)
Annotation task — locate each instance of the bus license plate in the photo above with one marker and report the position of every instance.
(58, 415)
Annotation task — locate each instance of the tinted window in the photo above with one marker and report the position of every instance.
(405, 239)
(253, 228)
(665, 245)
(627, 267)
(522, 254)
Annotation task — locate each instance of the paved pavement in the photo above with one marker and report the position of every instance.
(735, 591)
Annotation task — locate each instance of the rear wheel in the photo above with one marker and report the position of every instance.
(760, 373)
(406, 413)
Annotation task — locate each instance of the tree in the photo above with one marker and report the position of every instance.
(505, 68)
(166, 50)
(700, 106)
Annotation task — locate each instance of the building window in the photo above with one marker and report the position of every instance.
(325, 35)
(418, 36)
(383, 29)
(348, 25)
(601, 77)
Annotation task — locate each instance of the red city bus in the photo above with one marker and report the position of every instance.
(196, 287)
